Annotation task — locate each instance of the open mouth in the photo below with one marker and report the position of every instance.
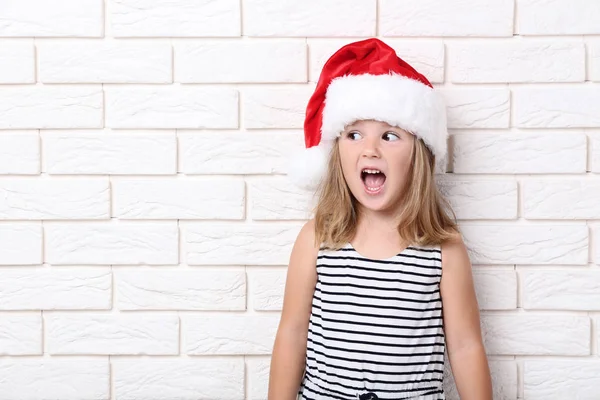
(373, 180)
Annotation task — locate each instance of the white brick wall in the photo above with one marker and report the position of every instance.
(146, 218)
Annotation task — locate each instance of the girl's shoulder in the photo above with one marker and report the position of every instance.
(454, 251)
(306, 238)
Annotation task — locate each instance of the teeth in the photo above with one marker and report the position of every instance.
(372, 171)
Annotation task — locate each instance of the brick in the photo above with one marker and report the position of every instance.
(310, 18)
(520, 61)
(597, 333)
(426, 56)
(275, 107)
(564, 199)
(105, 62)
(594, 60)
(55, 288)
(17, 62)
(442, 18)
(91, 152)
(229, 334)
(47, 107)
(126, 243)
(596, 245)
(75, 18)
(48, 379)
(180, 289)
(239, 244)
(267, 288)
(54, 198)
(504, 381)
(496, 289)
(476, 199)
(20, 335)
(561, 290)
(237, 152)
(595, 152)
(527, 244)
(536, 334)
(258, 377)
(477, 108)
(21, 244)
(171, 107)
(557, 17)
(175, 18)
(108, 334)
(567, 379)
(233, 61)
(519, 153)
(574, 107)
(279, 199)
(178, 198)
(19, 153)
(189, 379)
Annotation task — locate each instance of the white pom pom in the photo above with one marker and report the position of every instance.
(308, 166)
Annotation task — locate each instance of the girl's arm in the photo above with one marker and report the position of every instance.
(462, 324)
(289, 352)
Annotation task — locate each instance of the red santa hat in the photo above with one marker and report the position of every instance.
(366, 80)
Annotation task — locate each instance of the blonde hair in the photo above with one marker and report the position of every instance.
(424, 218)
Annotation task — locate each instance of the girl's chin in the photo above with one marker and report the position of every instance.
(375, 202)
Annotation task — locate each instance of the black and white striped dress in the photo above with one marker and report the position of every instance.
(375, 329)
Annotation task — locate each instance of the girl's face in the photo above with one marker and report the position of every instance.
(376, 160)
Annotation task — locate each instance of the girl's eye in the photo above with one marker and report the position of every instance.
(391, 136)
(353, 135)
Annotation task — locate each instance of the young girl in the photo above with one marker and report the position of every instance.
(379, 284)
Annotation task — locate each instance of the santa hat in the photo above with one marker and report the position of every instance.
(366, 80)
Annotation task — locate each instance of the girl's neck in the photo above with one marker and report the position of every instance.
(377, 234)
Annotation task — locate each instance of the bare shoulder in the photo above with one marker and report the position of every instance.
(301, 280)
(308, 230)
(306, 240)
(454, 252)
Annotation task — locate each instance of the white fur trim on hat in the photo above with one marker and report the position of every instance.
(394, 99)
(308, 166)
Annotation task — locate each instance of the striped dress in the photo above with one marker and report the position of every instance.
(375, 328)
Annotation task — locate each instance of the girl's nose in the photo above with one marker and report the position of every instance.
(371, 148)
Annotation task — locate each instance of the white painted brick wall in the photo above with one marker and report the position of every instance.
(594, 60)
(558, 17)
(115, 152)
(546, 379)
(509, 61)
(175, 289)
(46, 379)
(180, 379)
(171, 107)
(105, 334)
(99, 62)
(19, 153)
(17, 62)
(228, 334)
(20, 335)
(310, 18)
(47, 107)
(60, 288)
(67, 18)
(444, 18)
(179, 18)
(275, 107)
(146, 219)
(233, 61)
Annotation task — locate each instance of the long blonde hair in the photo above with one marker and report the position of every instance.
(425, 218)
